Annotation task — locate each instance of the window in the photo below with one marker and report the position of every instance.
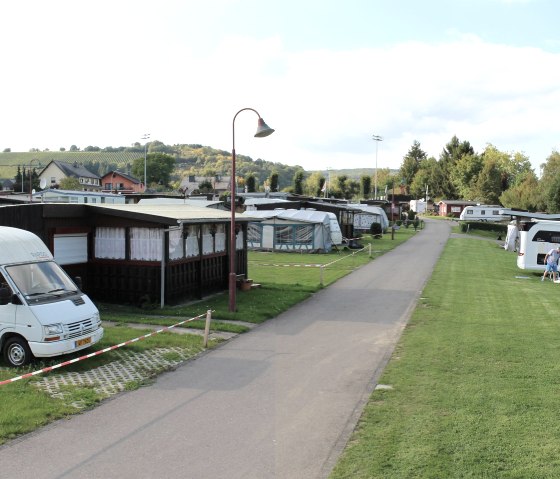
(470, 212)
(254, 234)
(176, 243)
(53, 180)
(207, 239)
(239, 240)
(145, 244)
(304, 235)
(192, 241)
(110, 243)
(283, 235)
(482, 212)
(547, 237)
(220, 237)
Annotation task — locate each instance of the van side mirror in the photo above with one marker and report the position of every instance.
(78, 281)
(5, 295)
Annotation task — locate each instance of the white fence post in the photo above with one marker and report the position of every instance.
(207, 327)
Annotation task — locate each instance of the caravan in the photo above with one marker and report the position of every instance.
(482, 213)
(536, 238)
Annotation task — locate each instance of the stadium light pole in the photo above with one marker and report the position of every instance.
(145, 137)
(377, 139)
(262, 130)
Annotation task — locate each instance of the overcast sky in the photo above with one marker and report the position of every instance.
(325, 74)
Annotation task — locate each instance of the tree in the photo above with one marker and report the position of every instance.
(525, 195)
(159, 167)
(548, 181)
(205, 186)
(489, 185)
(314, 184)
(7, 150)
(251, 182)
(451, 153)
(338, 186)
(411, 163)
(274, 181)
(420, 182)
(365, 186)
(74, 148)
(70, 183)
(465, 173)
(298, 182)
(352, 189)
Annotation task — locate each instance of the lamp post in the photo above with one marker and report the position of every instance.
(145, 137)
(262, 130)
(377, 139)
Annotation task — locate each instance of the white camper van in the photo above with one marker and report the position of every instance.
(536, 238)
(42, 311)
(482, 213)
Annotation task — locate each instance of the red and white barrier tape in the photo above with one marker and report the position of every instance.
(97, 353)
(297, 265)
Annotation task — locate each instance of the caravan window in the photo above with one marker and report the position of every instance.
(304, 235)
(283, 234)
(547, 236)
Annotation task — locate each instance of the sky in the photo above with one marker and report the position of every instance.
(327, 75)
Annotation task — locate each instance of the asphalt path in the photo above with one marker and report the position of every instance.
(277, 402)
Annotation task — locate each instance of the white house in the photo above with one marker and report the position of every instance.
(57, 170)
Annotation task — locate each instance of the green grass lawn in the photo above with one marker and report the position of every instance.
(474, 383)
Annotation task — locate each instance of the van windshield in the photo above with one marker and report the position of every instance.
(45, 278)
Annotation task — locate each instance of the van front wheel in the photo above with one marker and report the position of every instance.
(17, 352)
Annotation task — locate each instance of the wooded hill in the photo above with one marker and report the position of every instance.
(190, 160)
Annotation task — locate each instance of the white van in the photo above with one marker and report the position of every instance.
(482, 213)
(42, 311)
(536, 238)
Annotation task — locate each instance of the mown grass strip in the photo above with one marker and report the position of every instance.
(474, 379)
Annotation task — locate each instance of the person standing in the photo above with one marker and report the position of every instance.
(551, 263)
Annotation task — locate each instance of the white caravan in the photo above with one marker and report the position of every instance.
(482, 213)
(43, 313)
(536, 238)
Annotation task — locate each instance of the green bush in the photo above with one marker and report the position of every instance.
(375, 229)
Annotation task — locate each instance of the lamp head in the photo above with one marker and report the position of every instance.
(263, 129)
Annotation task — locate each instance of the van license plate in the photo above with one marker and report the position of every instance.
(82, 342)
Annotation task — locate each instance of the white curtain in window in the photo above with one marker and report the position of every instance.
(145, 244)
(175, 244)
(207, 240)
(239, 240)
(220, 238)
(110, 243)
(192, 241)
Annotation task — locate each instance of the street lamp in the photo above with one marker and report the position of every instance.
(377, 139)
(145, 137)
(262, 130)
